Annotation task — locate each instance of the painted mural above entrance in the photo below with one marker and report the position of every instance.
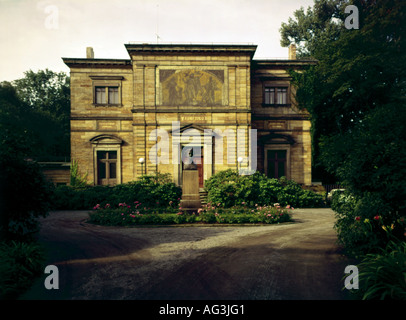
(191, 87)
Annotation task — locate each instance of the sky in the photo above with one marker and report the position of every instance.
(35, 35)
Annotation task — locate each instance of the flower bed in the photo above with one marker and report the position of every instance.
(137, 214)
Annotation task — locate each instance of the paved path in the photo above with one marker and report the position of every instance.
(288, 261)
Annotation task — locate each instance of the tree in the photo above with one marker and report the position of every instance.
(24, 192)
(45, 97)
(313, 28)
(356, 96)
(358, 70)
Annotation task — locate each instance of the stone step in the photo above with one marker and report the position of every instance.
(203, 196)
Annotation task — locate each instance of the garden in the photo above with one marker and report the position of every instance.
(155, 200)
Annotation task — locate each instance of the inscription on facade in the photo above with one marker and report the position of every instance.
(193, 118)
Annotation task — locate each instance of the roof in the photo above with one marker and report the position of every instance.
(101, 63)
(245, 49)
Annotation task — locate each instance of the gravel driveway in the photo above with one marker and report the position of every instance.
(297, 260)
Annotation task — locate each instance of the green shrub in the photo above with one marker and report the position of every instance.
(20, 264)
(382, 275)
(24, 196)
(152, 191)
(230, 189)
(361, 223)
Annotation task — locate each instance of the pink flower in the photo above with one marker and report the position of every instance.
(377, 218)
(357, 218)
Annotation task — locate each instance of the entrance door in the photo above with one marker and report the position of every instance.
(276, 163)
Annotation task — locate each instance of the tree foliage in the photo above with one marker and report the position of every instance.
(357, 71)
(33, 124)
(42, 101)
(356, 96)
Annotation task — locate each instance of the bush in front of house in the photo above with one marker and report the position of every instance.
(230, 189)
(154, 191)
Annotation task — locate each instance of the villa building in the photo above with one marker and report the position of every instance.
(212, 104)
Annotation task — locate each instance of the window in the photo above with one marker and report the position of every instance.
(106, 167)
(107, 95)
(276, 163)
(113, 95)
(100, 95)
(276, 96)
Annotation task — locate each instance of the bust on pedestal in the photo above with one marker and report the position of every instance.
(190, 189)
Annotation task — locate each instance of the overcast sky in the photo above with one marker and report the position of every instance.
(37, 34)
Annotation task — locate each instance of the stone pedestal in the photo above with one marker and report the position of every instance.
(190, 191)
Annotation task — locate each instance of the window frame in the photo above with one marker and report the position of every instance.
(275, 87)
(107, 82)
(107, 95)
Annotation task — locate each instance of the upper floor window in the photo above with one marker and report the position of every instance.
(107, 95)
(276, 95)
(107, 90)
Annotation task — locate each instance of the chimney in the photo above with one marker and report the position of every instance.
(292, 51)
(89, 53)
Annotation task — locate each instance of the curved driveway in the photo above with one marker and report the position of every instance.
(296, 260)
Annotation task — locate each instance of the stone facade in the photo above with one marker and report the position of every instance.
(167, 100)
